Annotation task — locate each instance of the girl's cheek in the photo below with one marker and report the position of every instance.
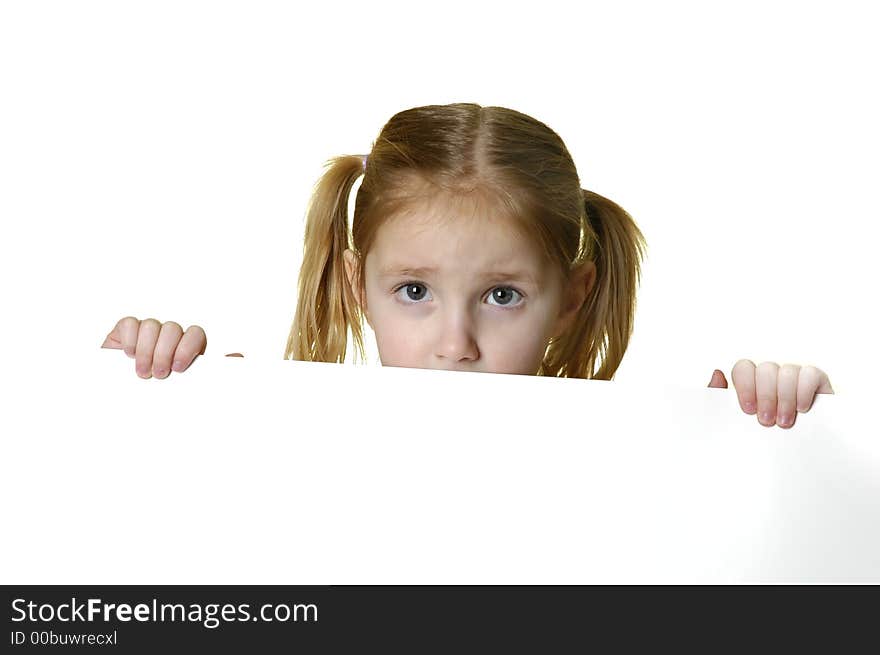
(518, 352)
(398, 338)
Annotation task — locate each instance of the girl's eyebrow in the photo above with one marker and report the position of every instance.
(421, 271)
(394, 271)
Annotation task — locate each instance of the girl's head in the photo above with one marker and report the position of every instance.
(473, 247)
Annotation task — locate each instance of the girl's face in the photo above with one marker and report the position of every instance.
(464, 294)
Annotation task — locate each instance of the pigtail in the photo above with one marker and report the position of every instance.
(326, 308)
(605, 322)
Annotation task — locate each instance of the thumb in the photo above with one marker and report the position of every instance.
(718, 380)
(112, 341)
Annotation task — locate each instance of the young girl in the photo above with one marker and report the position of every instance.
(473, 247)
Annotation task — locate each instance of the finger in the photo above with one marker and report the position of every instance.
(147, 336)
(718, 381)
(787, 395)
(766, 376)
(811, 381)
(743, 376)
(169, 337)
(192, 344)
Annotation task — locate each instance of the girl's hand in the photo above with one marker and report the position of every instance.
(775, 392)
(158, 348)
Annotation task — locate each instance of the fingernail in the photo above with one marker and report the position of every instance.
(766, 418)
(129, 352)
(784, 419)
(177, 366)
(161, 373)
(749, 406)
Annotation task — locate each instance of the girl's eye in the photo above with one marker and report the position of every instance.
(505, 297)
(412, 292)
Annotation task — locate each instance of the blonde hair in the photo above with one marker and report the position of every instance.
(458, 150)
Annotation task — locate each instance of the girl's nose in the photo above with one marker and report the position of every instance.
(457, 342)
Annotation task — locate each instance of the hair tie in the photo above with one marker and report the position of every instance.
(365, 162)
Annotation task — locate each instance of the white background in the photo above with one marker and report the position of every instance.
(156, 160)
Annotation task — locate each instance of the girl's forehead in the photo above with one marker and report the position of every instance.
(474, 215)
(464, 240)
(432, 228)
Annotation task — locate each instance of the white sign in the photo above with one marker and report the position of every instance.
(242, 471)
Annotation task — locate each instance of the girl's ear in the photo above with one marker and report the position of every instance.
(578, 286)
(351, 267)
